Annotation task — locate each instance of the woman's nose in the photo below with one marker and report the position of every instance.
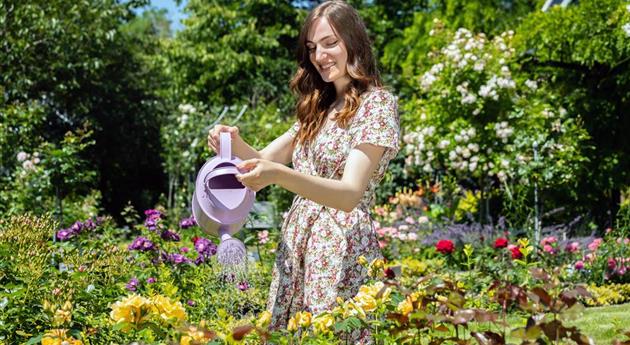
(320, 54)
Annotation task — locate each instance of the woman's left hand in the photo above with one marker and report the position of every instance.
(259, 173)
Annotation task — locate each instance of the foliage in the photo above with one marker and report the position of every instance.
(405, 52)
(44, 177)
(474, 119)
(584, 51)
(231, 53)
(79, 64)
(608, 294)
(44, 286)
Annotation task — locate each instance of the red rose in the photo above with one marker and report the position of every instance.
(516, 252)
(445, 246)
(612, 264)
(389, 273)
(500, 243)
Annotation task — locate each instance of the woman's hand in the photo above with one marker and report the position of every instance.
(258, 173)
(214, 134)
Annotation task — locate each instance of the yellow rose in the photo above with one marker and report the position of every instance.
(131, 309)
(168, 311)
(136, 301)
(323, 322)
(377, 263)
(374, 289)
(51, 341)
(339, 300)
(185, 340)
(303, 318)
(405, 307)
(366, 302)
(350, 308)
(264, 319)
(362, 260)
(292, 325)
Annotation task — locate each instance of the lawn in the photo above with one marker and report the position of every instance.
(605, 324)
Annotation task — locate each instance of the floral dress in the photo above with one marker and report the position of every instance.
(316, 260)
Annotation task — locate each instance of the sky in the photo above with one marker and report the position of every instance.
(175, 13)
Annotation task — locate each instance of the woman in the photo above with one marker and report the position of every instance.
(346, 133)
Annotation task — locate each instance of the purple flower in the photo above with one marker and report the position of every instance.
(151, 280)
(133, 284)
(204, 246)
(187, 223)
(191, 303)
(65, 234)
(178, 259)
(152, 213)
(151, 224)
(184, 249)
(77, 227)
(89, 224)
(200, 260)
(152, 219)
(169, 235)
(142, 244)
(243, 285)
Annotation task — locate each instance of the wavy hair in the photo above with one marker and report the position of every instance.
(316, 96)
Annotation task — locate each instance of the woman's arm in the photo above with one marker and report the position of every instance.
(279, 150)
(342, 194)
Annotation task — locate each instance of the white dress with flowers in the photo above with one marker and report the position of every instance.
(316, 260)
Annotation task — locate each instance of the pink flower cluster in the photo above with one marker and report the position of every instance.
(549, 244)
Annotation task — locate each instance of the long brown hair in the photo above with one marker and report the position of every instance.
(315, 95)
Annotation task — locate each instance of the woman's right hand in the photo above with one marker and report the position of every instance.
(214, 133)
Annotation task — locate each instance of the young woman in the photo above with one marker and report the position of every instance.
(347, 131)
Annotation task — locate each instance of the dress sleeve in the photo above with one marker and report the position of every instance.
(294, 129)
(377, 123)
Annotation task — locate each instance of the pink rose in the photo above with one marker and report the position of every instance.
(548, 249)
(548, 240)
(573, 247)
(595, 244)
(611, 264)
(579, 265)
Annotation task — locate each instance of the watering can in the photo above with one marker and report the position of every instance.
(220, 203)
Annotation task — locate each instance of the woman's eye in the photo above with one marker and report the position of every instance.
(333, 43)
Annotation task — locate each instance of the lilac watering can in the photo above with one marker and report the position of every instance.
(221, 204)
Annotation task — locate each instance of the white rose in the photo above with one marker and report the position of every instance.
(22, 156)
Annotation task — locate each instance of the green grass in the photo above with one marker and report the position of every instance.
(604, 324)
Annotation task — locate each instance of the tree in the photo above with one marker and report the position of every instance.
(77, 62)
(585, 50)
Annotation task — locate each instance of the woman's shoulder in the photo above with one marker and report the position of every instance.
(378, 94)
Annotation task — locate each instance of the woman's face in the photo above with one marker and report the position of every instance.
(328, 53)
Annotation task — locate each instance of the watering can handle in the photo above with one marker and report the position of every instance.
(225, 140)
(219, 172)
